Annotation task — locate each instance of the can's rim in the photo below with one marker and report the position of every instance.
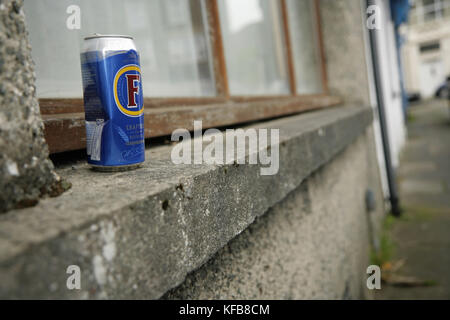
(97, 35)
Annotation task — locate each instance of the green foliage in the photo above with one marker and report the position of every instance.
(387, 247)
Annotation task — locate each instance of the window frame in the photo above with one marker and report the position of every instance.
(64, 118)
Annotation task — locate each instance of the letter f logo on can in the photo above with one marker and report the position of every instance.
(133, 89)
(127, 90)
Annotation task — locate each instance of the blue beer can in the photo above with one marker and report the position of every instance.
(113, 102)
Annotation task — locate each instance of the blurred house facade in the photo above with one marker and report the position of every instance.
(426, 52)
(390, 71)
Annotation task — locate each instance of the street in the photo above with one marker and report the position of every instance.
(419, 241)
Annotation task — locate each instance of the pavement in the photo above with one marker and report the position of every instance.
(419, 241)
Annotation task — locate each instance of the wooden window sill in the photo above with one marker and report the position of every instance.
(65, 128)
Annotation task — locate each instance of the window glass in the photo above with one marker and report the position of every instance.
(305, 49)
(254, 47)
(171, 36)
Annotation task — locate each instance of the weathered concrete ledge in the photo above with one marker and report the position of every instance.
(137, 234)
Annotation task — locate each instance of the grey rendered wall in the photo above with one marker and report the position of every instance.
(25, 171)
(314, 244)
(129, 244)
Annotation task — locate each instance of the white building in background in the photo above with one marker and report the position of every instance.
(426, 53)
(391, 88)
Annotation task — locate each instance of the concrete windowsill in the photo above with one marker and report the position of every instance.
(138, 233)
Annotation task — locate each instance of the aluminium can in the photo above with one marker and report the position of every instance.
(113, 102)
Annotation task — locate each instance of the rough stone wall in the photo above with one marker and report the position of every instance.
(314, 244)
(25, 171)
